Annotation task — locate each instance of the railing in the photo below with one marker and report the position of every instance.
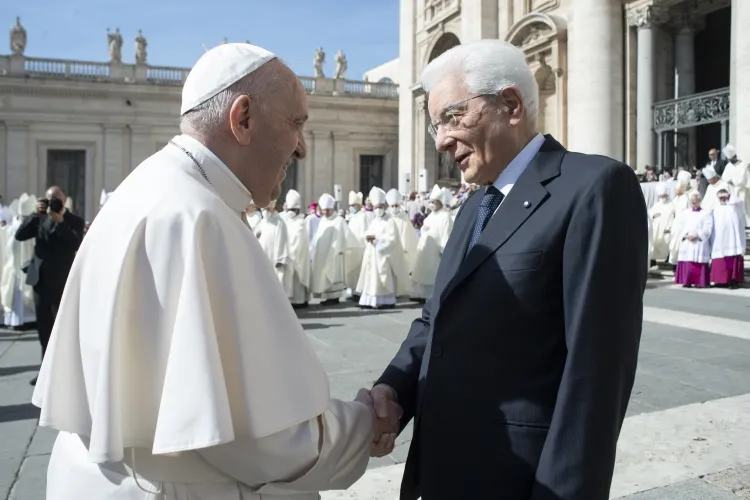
(692, 110)
(66, 69)
(166, 75)
(60, 69)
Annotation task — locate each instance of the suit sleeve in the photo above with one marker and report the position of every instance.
(65, 234)
(604, 278)
(329, 452)
(29, 228)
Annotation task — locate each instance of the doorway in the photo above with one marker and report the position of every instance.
(370, 172)
(67, 168)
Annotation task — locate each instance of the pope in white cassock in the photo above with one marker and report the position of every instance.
(335, 250)
(662, 217)
(272, 236)
(436, 229)
(299, 250)
(384, 275)
(406, 231)
(737, 176)
(177, 368)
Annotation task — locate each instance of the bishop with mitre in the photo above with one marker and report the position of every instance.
(358, 221)
(406, 231)
(273, 238)
(299, 251)
(177, 368)
(384, 275)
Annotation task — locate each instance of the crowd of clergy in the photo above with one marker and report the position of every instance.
(385, 247)
(703, 235)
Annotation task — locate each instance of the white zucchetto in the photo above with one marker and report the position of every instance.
(218, 69)
(326, 202)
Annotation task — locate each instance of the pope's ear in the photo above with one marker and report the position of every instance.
(240, 119)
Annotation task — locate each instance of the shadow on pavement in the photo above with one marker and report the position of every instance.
(14, 413)
(317, 326)
(13, 370)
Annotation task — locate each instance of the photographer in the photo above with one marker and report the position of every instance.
(58, 235)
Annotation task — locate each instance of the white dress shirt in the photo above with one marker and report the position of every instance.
(508, 177)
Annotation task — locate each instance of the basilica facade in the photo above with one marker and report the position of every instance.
(84, 125)
(649, 82)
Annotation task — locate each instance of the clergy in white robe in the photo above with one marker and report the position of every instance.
(384, 275)
(662, 216)
(406, 231)
(254, 216)
(299, 251)
(312, 220)
(177, 368)
(16, 297)
(695, 245)
(436, 229)
(680, 202)
(359, 220)
(737, 176)
(728, 242)
(274, 240)
(334, 245)
(715, 183)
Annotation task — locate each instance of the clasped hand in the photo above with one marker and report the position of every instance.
(386, 414)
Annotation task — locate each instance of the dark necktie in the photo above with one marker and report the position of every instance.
(490, 201)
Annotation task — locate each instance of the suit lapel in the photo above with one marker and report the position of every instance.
(527, 195)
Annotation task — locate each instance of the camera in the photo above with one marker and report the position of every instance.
(55, 205)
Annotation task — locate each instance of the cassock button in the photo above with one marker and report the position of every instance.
(438, 351)
(527, 203)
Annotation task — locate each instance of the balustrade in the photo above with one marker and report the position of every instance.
(692, 110)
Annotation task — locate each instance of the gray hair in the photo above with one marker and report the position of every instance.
(207, 118)
(487, 67)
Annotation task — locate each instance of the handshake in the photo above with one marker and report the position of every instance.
(386, 414)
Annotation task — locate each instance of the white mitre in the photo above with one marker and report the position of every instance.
(353, 198)
(326, 202)
(436, 193)
(360, 199)
(684, 177)
(661, 190)
(218, 69)
(293, 200)
(729, 151)
(377, 196)
(393, 197)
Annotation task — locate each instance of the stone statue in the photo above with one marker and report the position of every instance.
(18, 38)
(226, 40)
(140, 48)
(318, 62)
(115, 45)
(340, 65)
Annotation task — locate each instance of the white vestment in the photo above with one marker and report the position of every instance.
(358, 223)
(408, 236)
(739, 174)
(384, 275)
(274, 240)
(16, 297)
(299, 252)
(728, 238)
(681, 203)
(662, 217)
(334, 245)
(176, 362)
(710, 199)
(700, 223)
(311, 226)
(436, 230)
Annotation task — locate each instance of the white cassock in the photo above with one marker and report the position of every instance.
(681, 203)
(697, 222)
(274, 240)
(16, 297)
(358, 223)
(311, 227)
(177, 364)
(299, 250)
(662, 217)
(436, 230)
(334, 245)
(739, 176)
(728, 238)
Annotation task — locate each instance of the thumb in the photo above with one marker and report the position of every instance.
(381, 403)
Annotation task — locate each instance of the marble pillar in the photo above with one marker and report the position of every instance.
(739, 125)
(685, 73)
(645, 20)
(17, 159)
(595, 78)
(407, 76)
(479, 20)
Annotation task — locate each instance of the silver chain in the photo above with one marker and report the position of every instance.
(197, 164)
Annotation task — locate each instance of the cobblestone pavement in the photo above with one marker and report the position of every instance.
(686, 435)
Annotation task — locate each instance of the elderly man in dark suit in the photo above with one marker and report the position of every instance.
(57, 235)
(519, 370)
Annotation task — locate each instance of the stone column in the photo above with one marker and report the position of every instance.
(407, 61)
(739, 126)
(595, 78)
(114, 154)
(685, 71)
(18, 145)
(479, 20)
(645, 18)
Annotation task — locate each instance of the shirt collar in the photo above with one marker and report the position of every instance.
(516, 167)
(222, 180)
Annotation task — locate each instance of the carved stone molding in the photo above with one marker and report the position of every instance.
(647, 17)
(541, 5)
(687, 22)
(535, 30)
(692, 111)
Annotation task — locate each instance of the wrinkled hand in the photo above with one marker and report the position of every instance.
(386, 414)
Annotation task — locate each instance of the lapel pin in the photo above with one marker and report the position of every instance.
(527, 203)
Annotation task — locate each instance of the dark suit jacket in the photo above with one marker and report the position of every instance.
(721, 163)
(531, 340)
(55, 248)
